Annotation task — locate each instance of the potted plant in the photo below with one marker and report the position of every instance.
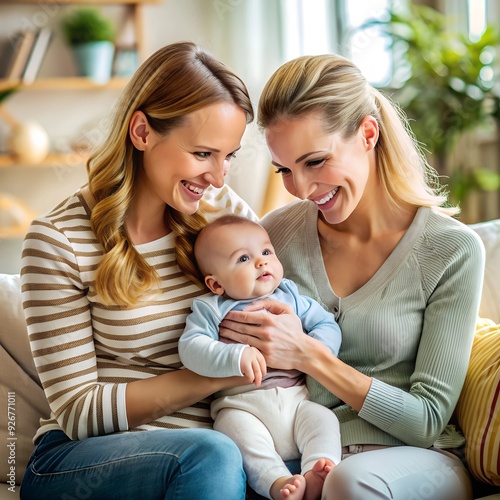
(445, 83)
(91, 35)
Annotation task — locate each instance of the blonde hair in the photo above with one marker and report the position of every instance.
(176, 80)
(334, 87)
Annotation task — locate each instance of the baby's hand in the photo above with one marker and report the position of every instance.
(253, 365)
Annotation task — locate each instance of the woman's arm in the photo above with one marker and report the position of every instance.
(59, 322)
(277, 333)
(155, 397)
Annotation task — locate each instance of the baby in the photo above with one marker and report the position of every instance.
(272, 419)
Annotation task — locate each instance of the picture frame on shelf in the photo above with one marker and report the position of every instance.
(126, 61)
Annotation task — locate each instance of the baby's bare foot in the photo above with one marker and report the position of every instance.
(291, 488)
(316, 477)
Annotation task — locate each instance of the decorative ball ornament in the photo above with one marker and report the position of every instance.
(29, 143)
(15, 216)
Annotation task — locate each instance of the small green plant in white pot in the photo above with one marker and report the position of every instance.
(91, 35)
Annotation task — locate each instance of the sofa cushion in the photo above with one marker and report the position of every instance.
(478, 409)
(490, 299)
(22, 399)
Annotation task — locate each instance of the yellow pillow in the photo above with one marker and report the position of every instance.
(478, 409)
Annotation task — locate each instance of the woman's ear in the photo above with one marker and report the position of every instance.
(213, 285)
(369, 131)
(139, 130)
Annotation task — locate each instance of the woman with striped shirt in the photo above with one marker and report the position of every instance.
(105, 300)
(371, 242)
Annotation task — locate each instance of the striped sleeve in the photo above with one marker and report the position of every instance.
(227, 201)
(60, 332)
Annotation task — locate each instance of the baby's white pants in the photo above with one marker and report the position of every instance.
(273, 425)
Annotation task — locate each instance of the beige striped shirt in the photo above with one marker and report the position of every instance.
(85, 352)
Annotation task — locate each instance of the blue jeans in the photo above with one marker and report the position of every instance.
(177, 464)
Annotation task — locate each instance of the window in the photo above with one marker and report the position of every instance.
(368, 48)
(306, 28)
(476, 18)
(321, 26)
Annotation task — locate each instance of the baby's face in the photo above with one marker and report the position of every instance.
(244, 262)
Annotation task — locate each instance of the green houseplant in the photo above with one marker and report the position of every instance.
(91, 35)
(444, 82)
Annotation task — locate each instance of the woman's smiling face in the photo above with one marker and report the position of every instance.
(323, 167)
(179, 167)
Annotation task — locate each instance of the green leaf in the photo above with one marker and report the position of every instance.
(6, 93)
(447, 85)
(87, 25)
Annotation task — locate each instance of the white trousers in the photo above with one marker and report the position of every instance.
(398, 473)
(273, 425)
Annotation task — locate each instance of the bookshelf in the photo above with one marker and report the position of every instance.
(134, 12)
(131, 12)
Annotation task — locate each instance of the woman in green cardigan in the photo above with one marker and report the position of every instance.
(372, 243)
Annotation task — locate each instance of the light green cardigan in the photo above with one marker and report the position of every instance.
(410, 327)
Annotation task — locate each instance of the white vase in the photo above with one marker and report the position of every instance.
(95, 60)
(29, 143)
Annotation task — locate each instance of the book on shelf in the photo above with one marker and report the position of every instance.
(7, 53)
(37, 54)
(14, 49)
(23, 46)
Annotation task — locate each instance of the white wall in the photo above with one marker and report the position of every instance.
(71, 116)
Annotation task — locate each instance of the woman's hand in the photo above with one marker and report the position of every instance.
(274, 329)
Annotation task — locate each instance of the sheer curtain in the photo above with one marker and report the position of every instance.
(254, 37)
(246, 35)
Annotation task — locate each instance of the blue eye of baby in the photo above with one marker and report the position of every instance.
(244, 258)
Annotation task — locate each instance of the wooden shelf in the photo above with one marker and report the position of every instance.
(102, 2)
(52, 160)
(10, 233)
(65, 83)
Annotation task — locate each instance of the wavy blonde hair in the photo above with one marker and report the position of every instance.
(176, 80)
(334, 87)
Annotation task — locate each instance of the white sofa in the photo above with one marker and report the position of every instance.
(22, 400)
